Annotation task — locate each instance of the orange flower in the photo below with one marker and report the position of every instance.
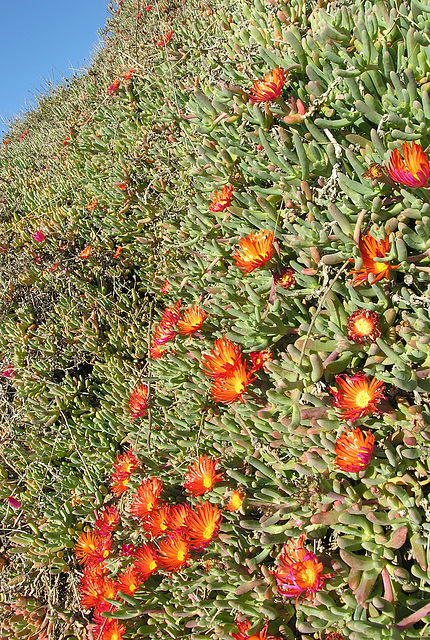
(94, 588)
(269, 88)
(145, 561)
(85, 253)
(203, 525)
(254, 251)
(124, 465)
(92, 205)
(369, 250)
(170, 315)
(178, 517)
(353, 450)
(119, 483)
(107, 521)
(374, 172)
(156, 352)
(223, 359)
(259, 359)
(163, 333)
(165, 40)
(232, 387)
(414, 170)
(113, 87)
(221, 200)
(201, 477)
(129, 581)
(85, 545)
(173, 553)
(299, 572)
(363, 326)
(235, 500)
(158, 521)
(117, 253)
(146, 498)
(245, 626)
(138, 400)
(284, 277)
(127, 74)
(357, 396)
(192, 321)
(102, 550)
(112, 630)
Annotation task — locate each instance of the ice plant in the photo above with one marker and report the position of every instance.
(259, 359)
(413, 169)
(353, 450)
(158, 521)
(299, 571)
(125, 464)
(107, 520)
(222, 360)
(114, 86)
(127, 74)
(192, 320)
(165, 40)
(269, 88)
(117, 253)
(202, 525)
(8, 372)
(357, 396)
(232, 387)
(92, 548)
(254, 251)
(370, 248)
(129, 581)
(112, 630)
(146, 498)
(138, 400)
(173, 553)
(221, 199)
(85, 253)
(165, 288)
(23, 134)
(363, 326)
(284, 277)
(178, 517)
(201, 476)
(14, 503)
(171, 315)
(101, 551)
(145, 561)
(235, 500)
(244, 627)
(38, 236)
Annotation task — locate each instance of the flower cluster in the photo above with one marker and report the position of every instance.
(228, 370)
(138, 400)
(124, 466)
(191, 322)
(244, 626)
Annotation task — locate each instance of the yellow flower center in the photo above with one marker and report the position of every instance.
(207, 481)
(379, 266)
(308, 576)
(236, 501)
(152, 565)
(239, 387)
(149, 506)
(91, 546)
(362, 399)
(363, 326)
(181, 555)
(208, 532)
(133, 586)
(105, 553)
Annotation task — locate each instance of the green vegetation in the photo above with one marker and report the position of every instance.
(127, 171)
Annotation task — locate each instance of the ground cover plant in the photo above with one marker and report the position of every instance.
(214, 330)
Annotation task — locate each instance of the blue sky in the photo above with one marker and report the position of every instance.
(43, 40)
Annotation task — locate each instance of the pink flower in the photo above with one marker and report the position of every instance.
(14, 503)
(8, 372)
(38, 236)
(113, 87)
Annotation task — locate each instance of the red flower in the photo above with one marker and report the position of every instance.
(66, 141)
(245, 626)
(165, 40)
(284, 277)
(173, 553)
(92, 548)
(254, 251)
(114, 86)
(124, 465)
(414, 170)
(8, 372)
(117, 253)
(127, 74)
(23, 134)
(222, 360)
(363, 326)
(178, 517)
(192, 321)
(221, 200)
(353, 450)
(145, 561)
(146, 498)
(259, 359)
(369, 250)
(38, 236)
(107, 520)
(129, 581)
(299, 572)
(357, 396)
(157, 522)
(201, 476)
(138, 401)
(85, 253)
(232, 387)
(269, 88)
(203, 525)
(166, 287)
